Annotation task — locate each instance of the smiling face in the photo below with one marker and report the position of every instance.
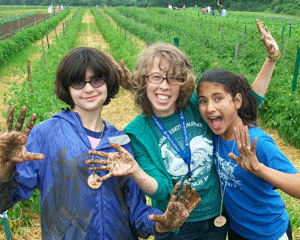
(162, 95)
(89, 98)
(219, 109)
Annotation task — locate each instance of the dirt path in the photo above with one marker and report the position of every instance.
(17, 72)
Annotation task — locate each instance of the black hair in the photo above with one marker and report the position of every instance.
(234, 84)
(73, 67)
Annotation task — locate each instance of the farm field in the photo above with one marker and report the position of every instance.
(209, 42)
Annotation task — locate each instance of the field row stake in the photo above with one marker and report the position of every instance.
(296, 71)
(286, 41)
(44, 53)
(47, 40)
(29, 75)
(55, 33)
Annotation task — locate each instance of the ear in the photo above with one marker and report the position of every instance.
(238, 100)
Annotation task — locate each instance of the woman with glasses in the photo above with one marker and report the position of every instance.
(171, 141)
(74, 204)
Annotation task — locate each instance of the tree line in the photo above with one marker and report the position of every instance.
(291, 7)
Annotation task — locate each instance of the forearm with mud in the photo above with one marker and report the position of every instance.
(146, 183)
(262, 81)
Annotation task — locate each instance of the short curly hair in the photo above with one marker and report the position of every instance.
(178, 62)
(73, 67)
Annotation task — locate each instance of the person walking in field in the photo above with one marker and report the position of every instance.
(171, 142)
(250, 165)
(54, 158)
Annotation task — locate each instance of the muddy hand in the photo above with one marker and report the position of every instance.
(117, 163)
(124, 73)
(269, 42)
(178, 209)
(247, 159)
(13, 141)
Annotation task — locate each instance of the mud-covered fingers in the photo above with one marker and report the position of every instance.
(98, 153)
(96, 161)
(99, 168)
(175, 192)
(118, 147)
(157, 218)
(10, 119)
(184, 193)
(235, 158)
(237, 137)
(28, 157)
(30, 124)
(253, 146)
(247, 137)
(21, 119)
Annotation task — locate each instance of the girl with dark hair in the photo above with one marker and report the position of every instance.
(248, 182)
(74, 204)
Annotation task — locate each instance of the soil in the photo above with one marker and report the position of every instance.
(9, 29)
(120, 111)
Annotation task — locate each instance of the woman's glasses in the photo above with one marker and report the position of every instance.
(160, 79)
(95, 82)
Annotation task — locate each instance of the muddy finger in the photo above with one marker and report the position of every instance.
(21, 119)
(30, 124)
(10, 119)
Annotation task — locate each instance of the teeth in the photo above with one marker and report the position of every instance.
(162, 97)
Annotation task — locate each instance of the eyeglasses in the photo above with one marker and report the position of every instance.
(159, 79)
(95, 82)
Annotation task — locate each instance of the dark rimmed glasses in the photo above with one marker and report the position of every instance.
(159, 79)
(95, 82)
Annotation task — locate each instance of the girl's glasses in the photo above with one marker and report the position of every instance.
(160, 79)
(95, 82)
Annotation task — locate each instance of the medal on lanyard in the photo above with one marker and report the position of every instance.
(93, 180)
(185, 155)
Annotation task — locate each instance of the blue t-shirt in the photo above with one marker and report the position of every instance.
(255, 209)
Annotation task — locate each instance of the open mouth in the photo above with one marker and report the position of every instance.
(162, 97)
(215, 122)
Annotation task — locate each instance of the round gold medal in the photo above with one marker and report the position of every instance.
(220, 221)
(92, 181)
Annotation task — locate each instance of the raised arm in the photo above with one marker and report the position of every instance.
(287, 182)
(124, 73)
(262, 81)
(12, 144)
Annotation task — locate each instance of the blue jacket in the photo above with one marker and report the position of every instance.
(69, 208)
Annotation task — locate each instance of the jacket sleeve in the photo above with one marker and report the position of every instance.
(140, 212)
(22, 183)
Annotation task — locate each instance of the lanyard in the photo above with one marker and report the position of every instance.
(186, 156)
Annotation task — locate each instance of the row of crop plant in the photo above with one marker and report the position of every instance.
(24, 38)
(41, 101)
(210, 42)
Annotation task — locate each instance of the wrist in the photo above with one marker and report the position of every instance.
(136, 171)
(158, 228)
(259, 169)
(273, 58)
